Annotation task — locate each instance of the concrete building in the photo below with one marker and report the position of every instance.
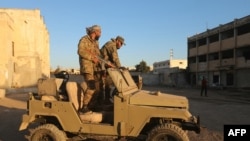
(221, 54)
(24, 55)
(172, 63)
(171, 72)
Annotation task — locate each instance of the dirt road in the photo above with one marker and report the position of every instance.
(219, 108)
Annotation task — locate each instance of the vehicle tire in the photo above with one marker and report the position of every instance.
(47, 132)
(167, 132)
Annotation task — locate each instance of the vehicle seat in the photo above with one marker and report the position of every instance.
(75, 94)
(48, 88)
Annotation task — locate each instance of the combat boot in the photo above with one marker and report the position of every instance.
(87, 97)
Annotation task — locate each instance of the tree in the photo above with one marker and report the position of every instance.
(142, 67)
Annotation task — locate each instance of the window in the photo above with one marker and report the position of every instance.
(191, 60)
(213, 56)
(244, 29)
(213, 38)
(202, 41)
(202, 58)
(227, 34)
(191, 44)
(227, 54)
(243, 52)
(13, 48)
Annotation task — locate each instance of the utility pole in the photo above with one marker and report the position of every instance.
(171, 54)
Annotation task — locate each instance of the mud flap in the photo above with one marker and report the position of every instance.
(25, 122)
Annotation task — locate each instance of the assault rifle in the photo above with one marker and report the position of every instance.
(101, 59)
(105, 62)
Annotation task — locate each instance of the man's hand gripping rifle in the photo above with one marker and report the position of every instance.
(101, 60)
(105, 62)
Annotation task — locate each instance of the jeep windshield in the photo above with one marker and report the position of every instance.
(123, 81)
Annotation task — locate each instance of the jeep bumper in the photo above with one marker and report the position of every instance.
(193, 125)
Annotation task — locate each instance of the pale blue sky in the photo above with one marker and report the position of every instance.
(150, 27)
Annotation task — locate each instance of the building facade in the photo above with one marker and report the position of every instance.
(24, 55)
(180, 63)
(221, 54)
(170, 72)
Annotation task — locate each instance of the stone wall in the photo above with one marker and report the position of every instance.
(24, 41)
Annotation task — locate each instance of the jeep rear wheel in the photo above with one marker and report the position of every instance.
(47, 132)
(167, 132)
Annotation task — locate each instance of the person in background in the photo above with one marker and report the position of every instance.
(204, 86)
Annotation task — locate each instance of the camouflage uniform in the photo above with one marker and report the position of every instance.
(109, 53)
(87, 48)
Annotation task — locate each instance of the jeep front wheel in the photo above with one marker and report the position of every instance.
(167, 132)
(47, 132)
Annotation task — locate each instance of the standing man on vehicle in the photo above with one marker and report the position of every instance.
(109, 50)
(90, 67)
(110, 54)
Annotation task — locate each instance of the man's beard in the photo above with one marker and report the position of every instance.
(97, 38)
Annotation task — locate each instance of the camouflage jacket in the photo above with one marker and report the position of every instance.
(87, 49)
(109, 53)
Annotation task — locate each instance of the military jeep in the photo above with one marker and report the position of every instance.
(135, 114)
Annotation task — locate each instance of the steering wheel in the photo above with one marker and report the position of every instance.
(64, 75)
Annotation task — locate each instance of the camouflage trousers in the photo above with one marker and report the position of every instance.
(91, 94)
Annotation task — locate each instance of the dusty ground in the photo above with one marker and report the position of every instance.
(219, 108)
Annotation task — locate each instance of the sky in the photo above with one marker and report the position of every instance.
(151, 28)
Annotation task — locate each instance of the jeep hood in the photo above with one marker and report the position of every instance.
(147, 98)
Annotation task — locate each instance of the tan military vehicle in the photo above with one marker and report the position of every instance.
(135, 114)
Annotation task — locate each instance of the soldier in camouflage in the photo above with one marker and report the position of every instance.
(109, 50)
(90, 67)
(110, 54)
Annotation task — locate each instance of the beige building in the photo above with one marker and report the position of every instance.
(221, 54)
(170, 72)
(24, 55)
(172, 63)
